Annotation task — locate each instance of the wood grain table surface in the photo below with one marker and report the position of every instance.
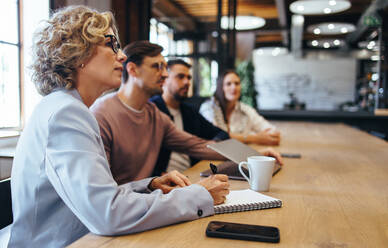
(335, 195)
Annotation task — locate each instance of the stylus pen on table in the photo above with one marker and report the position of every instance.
(213, 168)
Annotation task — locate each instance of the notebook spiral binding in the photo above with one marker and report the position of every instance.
(247, 207)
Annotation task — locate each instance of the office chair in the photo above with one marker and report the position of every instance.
(6, 203)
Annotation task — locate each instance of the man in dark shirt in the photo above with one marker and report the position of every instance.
(175, 90)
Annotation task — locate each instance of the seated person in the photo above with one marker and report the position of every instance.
(62, 187)
(132, 128)
(184, 116)
(241, 121)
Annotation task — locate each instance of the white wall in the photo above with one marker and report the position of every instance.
(322, 82)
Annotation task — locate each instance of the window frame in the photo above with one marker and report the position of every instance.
(19, 66)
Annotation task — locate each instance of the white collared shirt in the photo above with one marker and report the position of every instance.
(243, 120)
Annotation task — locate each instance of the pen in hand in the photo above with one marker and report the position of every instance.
(213, 168)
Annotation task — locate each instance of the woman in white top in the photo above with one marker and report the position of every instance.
(241, 121)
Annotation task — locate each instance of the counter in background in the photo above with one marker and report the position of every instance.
(373, 124)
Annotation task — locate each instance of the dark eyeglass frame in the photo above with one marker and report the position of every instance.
(159, 66)
(114, 43)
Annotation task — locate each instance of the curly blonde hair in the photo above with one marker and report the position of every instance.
(66, 41)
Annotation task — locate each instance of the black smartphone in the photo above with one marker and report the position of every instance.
(230, 230)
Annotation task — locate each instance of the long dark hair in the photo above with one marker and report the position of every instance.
(219, 94)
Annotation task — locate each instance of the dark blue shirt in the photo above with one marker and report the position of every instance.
(194, 123)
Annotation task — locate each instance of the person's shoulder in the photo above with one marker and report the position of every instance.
(152, 110)
(246, 107)
(105, 102)
(190, 115)
(150, 107)
(159, 102)
(68, 107)
(156, 99)
(209, 105)
(187, 107)
(60, 100)
(208, 102)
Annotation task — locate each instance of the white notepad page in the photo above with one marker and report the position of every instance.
(246, 200)
(246, 196)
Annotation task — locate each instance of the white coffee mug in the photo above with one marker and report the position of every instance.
(260, 172)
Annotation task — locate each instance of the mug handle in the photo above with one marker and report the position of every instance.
(242, 172)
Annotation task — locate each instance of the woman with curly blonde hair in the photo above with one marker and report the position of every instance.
(62, 186)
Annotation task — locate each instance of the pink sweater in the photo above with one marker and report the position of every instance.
(132, 140)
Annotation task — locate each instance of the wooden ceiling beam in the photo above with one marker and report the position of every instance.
(269, 38)
(209, 8)
(202, 14)
(177, 17)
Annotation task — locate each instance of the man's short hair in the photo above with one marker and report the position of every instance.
(173, 62)
(136, 51)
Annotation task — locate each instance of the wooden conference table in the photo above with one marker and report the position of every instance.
(336, 195)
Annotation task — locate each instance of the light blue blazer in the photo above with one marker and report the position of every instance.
(62, 187)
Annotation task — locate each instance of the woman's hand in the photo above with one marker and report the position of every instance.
(218, 187)
(268, 137)
(272, 153)
(169, 181)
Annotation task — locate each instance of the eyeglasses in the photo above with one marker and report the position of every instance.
(114, 44)
(159, 66)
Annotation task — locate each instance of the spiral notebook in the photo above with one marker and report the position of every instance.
(246, 200)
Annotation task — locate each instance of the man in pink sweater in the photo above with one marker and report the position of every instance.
(133, 129)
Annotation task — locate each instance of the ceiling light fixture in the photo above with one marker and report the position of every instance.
(327, 10)
(331, 28)
(243, 22)
(271, 51)
(326, 43)
(319, 7)
(344, 30)
(370, 45)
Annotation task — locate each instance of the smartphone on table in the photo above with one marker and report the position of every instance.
(230, 230)
(291, 155)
